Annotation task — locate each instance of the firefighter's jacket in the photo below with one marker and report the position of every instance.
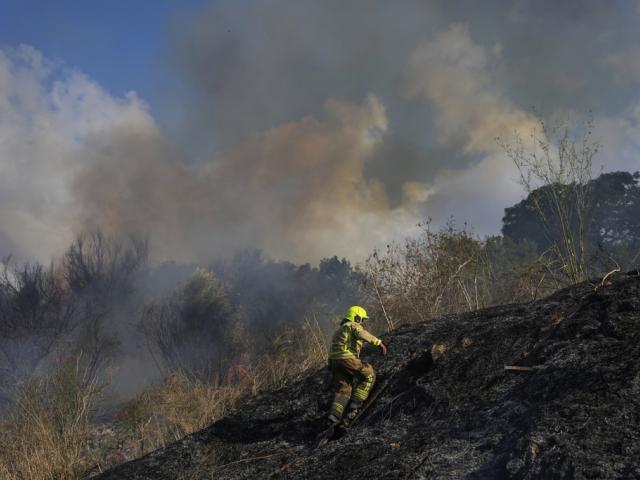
(348, 340)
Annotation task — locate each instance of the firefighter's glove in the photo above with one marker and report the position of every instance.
(383, 348)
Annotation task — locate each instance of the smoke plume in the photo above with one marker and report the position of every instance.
(310, 128)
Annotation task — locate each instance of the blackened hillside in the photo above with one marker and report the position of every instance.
(574, 414)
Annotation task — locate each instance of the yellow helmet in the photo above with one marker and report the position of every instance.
(356, 314)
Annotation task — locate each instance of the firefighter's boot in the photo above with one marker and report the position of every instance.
(337, 408)
(354, 408)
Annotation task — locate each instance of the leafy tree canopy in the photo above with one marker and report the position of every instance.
(613, 224)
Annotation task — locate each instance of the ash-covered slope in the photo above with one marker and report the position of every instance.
(575, 415)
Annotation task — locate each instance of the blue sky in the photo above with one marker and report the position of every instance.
(121, 44)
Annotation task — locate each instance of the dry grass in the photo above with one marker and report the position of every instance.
(181, 405)
(178, 406)
(45, 435)
(49, 434)
(297, 351)
(450, 271)
(433, 274)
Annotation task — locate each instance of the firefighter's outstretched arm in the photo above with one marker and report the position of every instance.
(362, 334)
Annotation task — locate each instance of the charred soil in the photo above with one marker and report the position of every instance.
(451, 410)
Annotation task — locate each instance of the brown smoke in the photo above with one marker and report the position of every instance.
(297, 190)
(277, 149)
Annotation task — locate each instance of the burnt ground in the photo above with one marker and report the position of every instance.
(574, 415)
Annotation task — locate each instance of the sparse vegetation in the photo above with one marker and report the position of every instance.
(36, 314)
(196, 330)
(182, 404)
(556, 171)
(250, 324)
(449, 271)
(293, 353)
(176, 407)
(101, 275)
(45, 435)
(612, 226)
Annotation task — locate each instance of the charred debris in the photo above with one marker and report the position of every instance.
(549, 389)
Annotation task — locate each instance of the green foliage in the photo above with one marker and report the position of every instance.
(612, 226)
(196, 330)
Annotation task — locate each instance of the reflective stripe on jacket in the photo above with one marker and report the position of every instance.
(348, 340)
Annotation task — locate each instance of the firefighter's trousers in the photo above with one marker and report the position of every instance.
(345, 371)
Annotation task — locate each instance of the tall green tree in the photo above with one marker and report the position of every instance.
(612, 228)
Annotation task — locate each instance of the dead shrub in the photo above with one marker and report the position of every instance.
(428, 276)
(36, 315)
(448, 271)
(556, 171)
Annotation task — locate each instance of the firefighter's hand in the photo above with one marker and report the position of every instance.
(383, 348)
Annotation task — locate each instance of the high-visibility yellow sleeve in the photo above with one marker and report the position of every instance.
(362, 334)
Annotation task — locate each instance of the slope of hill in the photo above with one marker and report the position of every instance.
(574, 414)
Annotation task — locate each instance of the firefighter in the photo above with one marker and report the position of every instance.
(346, 366)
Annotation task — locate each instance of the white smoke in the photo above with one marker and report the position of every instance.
(46, 115)
(331, 139)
